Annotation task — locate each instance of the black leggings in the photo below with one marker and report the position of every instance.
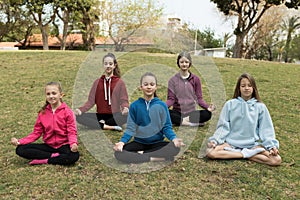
(91, 120)
(44, 151)
(197, 116)
(130, 153)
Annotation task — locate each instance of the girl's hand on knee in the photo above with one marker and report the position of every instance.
(74, 148)
(178, 142)
(14, 141)
(211, 144)
(211, 108)
(77, 112)
(125, 111)
(119, 146)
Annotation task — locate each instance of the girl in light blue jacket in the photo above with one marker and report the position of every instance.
(245, 128)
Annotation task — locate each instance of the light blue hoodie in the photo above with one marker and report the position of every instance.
(245, 124)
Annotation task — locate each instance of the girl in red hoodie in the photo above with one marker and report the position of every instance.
(109, 93)
(56, 122)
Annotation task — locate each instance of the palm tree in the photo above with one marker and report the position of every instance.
(290, 26)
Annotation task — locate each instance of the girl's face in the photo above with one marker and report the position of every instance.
(53, 95)
(109, 66)
(246, 89)
(148, 87)
(184, 63)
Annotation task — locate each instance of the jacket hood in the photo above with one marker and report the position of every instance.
(251, 101)
(151, 101)
(62, 106)
(112, 77)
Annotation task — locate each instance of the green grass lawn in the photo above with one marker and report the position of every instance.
(23, 75)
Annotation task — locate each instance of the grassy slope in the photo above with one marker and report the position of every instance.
(23, 75)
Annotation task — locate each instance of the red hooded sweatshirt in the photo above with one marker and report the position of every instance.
(58, 128)
(109, 95)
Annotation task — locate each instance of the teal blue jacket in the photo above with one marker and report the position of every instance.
(148, 122)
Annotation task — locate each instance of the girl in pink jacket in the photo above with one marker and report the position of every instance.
(57, 126)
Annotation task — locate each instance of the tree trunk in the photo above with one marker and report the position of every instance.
(65, 34)
(287, 47)
(270, 53)
(88, 36)
(45, 37)
(239, 46)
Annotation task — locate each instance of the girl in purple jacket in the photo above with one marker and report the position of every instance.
(185, 93)
(56, 123)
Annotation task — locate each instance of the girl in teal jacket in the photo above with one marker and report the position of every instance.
(245, 128)
(149, 123)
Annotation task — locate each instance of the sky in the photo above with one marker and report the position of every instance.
(200, 14)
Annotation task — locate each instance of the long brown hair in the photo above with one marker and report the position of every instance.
(237, 91)
(58, 85)
(117, 71)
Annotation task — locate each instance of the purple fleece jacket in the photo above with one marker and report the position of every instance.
(185, 94)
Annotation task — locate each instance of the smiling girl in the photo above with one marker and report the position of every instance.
(56, 123)
(109, 93)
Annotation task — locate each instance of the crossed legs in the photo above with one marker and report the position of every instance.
(257, 154)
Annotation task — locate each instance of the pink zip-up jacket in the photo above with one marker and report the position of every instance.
(185, 94)
(58, 128)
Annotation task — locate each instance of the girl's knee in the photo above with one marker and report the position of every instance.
(210, 153)
(76, 157)
(120, 156)
(73, 158)
(20, 150)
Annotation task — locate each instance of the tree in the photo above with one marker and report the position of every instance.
(207, 39)
(264, 36)
(88, 15)
(65, 10)
(43, 13)
(248, 13)
(290, 26)
(16, 23)
(295, 48)
(125, 18)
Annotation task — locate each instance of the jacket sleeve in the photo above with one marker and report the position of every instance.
(130, 127)
(198, 92)
(91, 98)
(223, 126)
(266, 130)
(71, 128)
(38, 130)
(123, 94)
(171, 93)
